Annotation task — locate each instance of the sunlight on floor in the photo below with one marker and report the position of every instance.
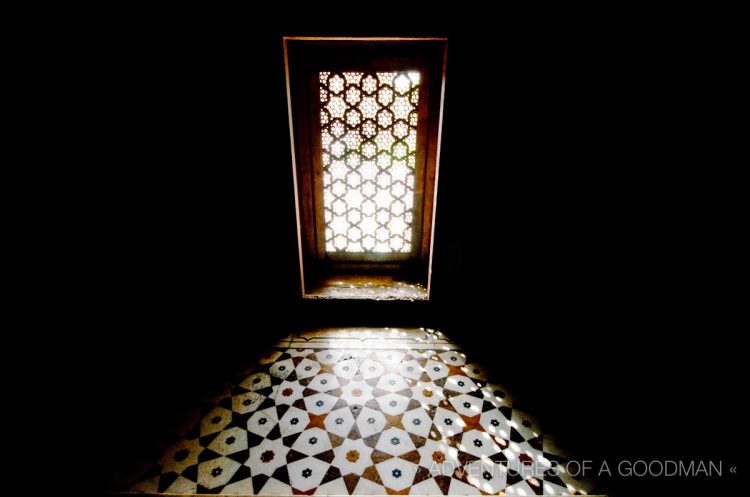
(359, 411)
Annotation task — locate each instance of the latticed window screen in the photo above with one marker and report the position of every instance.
(369, 145)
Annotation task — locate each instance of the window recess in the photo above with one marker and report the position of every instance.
(365, 118)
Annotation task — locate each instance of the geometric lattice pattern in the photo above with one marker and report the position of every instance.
(369, 140)
(337, 420)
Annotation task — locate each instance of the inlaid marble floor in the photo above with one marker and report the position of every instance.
(356, 411)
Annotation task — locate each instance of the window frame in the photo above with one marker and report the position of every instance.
(304, 58)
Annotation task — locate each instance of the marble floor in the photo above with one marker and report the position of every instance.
(359, 411)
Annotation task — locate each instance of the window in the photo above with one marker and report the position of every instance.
(365, 117)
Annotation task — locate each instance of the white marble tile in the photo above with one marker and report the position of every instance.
(306, 474)
(370, 422)
(495, 423)
(216, 472)
(352, 456)
(327, 356)
(262, 422)
(448, 422)
(435, 369)
(282, 369)
(454, 358)
(256, 381)
(247, 402)
(293, 421)
(312, 441)
(395, 441)
(427, 393)
(371, 369)
(356, 392)
(393, 404)
(467, 405)
(417, 421)
(478, 443)
(215, 421)
(289, 392)
(390, 358)
(392, 382)
(460, 384)
(307, 368)
(438, 457)
(396, 474)
(229, 441)
(411, 369)
(320, 403)
(487, 476)
(340, 421)
(324, 382)
(346, 369)
(267, 457)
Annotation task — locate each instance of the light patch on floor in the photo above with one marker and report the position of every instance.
(360, 411)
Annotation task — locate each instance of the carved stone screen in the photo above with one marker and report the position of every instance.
(369, 145)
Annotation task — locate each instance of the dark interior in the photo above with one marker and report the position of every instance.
(583, 231)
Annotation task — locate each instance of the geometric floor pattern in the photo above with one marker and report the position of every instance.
(375, 412)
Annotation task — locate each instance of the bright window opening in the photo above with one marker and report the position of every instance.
(369, 139)
(365, 117)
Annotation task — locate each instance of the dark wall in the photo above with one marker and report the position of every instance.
(584, 230)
